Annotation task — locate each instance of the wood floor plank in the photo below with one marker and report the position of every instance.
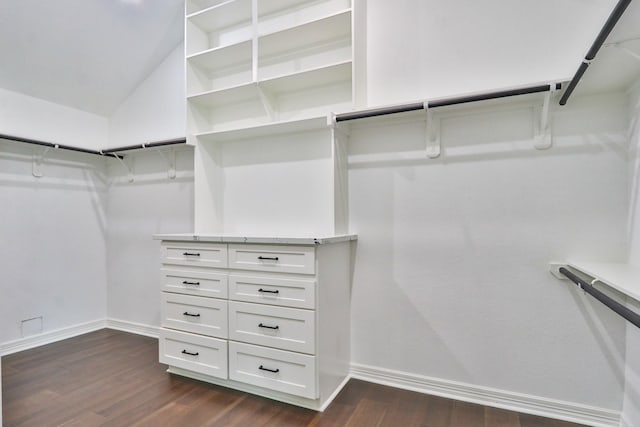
(368, 413)
(494, 417)
(112, 378)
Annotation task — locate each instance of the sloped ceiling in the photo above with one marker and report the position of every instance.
(85, 54)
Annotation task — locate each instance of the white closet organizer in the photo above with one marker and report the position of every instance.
(265, 315)
(255, 62)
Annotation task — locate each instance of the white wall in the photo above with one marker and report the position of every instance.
(631, 405)
(151, 204)
(428, 49)
(53, 232)
(29, 117)
(451, 273)
(156, 110)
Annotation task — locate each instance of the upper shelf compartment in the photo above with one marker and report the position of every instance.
(278, 15)
(257, 62)
(223, 24)
(322, 42)
(218, 68)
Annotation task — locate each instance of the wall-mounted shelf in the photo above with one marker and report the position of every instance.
(624, 278)
(220, 25)
(266, 130)
(278, 15)
(219, 68)
(284, 60)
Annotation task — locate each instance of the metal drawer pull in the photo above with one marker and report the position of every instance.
(190, 254)
(268, 327)
(275, 258)
(189, 353)
(185, 282)
(275, 371)
(186, 313)
(267, 291)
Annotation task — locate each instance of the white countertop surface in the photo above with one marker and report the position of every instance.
(270, 240)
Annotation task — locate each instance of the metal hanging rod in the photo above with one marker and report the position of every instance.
(445, 102)
(146, 145)
(613, 19)
(48, 144)
(109, 151)
(614, 305)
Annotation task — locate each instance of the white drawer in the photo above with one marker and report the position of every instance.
(199, 283)
(201, 254)
(194, 352)
(280, 259)
(199, 315)
(286, 328)
(297, 293)
(279, 370)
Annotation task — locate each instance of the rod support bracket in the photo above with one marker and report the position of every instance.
(543, 140)
(38, 159)
(432, 133)
(554, 269)
(171, 162)
(130, 177)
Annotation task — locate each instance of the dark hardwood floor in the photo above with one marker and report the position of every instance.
(112, 378)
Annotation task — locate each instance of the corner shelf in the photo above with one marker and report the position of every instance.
(625, 278)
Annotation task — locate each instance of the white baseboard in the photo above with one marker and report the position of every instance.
(535, 405)
(49, 337)
(134, 328)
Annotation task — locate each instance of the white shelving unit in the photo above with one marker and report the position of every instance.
(266, 76)
(256, 62)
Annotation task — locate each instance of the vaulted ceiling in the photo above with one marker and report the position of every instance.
(85, 54)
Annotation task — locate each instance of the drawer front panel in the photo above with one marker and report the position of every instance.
(279, 370)
(281, 259)
(203, 255)
(194, 352)
(284, 328)
(195, 283)
(297, 293)
(195, 314)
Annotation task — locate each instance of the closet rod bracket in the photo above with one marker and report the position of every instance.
(171, 162)
(543, 139)
(36, 166)
(129, 170)
(432, 133)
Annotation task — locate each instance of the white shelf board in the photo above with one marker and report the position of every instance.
(195, 6)
(264, 130)
(316, 77)
(222, 57)
(307, 35)
(224, 15)
(231, 95)
(622, 277)
(273, 6)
